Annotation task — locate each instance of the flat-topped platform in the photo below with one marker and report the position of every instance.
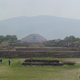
(29, 62)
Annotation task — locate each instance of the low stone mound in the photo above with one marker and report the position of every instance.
(29, 62)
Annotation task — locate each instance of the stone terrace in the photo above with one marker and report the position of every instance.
(42, 52)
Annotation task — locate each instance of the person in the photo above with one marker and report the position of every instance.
(0, 61)
(9, 61)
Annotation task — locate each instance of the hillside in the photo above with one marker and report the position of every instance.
(50, 27)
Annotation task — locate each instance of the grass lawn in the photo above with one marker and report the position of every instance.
(17, 72)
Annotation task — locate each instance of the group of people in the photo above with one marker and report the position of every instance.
(9, 61)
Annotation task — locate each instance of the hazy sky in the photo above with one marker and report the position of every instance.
(62, 8)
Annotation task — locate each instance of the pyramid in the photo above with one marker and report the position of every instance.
(34, 38)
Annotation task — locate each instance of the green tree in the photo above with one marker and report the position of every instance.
(1, 38)
(13, 37)
(10, 37)
(71, 38)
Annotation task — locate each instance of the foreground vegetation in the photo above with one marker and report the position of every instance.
(17, 72)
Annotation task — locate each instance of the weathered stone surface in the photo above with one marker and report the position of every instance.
(42, 63)
(42, 52)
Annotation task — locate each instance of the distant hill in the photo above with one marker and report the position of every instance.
(34, 38)
(50, 27)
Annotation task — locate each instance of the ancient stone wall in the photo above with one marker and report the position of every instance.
(54, 54)
(47, 49)
(30, 62)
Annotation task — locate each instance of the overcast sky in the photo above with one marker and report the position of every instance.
(61, 8)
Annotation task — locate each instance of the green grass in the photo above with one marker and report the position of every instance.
(17, 72)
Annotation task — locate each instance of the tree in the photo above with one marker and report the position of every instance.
(10, 37)
(71, 38)
(1, 38)
(13, 37)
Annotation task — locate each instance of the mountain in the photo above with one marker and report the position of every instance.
(34, 38)
(50, 27)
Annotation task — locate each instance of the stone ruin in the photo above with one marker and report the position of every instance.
(30, 62)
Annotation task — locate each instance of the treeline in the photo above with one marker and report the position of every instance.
(69, 41)
(72, 38)
(8, 38)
